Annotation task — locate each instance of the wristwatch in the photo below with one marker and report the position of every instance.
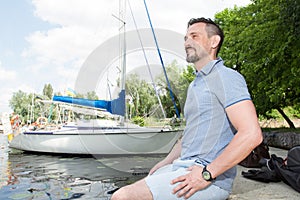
(207, 175)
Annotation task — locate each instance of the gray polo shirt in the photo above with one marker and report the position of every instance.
(208, 129)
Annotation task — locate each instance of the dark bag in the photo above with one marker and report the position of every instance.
(290, 172)
(278, 169)
(252, 160)
(263, 175)
(267, 173)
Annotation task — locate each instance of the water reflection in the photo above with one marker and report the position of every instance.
(4, 164)
(35, 176)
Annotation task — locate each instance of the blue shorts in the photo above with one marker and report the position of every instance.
(161, 189)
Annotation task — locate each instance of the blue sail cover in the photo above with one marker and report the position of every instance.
(115, 106)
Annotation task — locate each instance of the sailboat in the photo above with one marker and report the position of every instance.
(97, 137)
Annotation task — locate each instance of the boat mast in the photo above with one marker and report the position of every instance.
(122, 30)
(121, 18)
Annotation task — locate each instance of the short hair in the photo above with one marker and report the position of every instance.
(211, 28)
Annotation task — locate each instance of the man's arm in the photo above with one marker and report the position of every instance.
(173, 155)
(243, 117)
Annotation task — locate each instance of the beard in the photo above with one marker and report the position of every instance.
(192, 58)
(191, 55)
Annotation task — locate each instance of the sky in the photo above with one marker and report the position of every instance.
(51, 41)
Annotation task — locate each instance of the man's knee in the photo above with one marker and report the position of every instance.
(120, 194)
(138, 190)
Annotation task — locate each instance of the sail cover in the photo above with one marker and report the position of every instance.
(115, 106)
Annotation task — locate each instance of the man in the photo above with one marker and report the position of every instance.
(221, 128)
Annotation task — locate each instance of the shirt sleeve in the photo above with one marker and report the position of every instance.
(232, 88)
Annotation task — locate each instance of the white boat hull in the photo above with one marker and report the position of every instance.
(102, 141)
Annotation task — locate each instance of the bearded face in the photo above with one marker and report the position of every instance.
(191, 55)
(197, 44)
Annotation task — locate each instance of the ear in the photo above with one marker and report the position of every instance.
(215, 41)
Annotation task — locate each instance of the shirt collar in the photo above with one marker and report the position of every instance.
(209, 66)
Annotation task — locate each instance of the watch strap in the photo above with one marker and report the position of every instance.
(206, 174)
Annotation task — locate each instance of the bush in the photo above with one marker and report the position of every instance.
(138, 120)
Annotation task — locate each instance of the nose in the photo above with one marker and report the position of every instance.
(188, 42)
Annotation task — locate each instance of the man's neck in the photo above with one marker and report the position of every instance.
(201, 63)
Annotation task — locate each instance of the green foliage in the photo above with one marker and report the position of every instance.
(92, 95)
(144, 101)
(290, 112)
(48, 91)
(138, 120)
(25, 105)
(142, 96)
(263, 44)
(179, 79)
(188, 74)
(19, 103)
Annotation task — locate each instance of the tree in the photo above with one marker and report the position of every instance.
(179, 79)
(92, 95)
(24, 105)
(48, 91)
(263, 44)
(142, 95)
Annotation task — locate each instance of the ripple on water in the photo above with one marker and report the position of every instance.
(40, 177)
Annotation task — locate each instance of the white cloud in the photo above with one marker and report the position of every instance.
(88, 13)
(7, 78)
(83, 25)
(59, 45)
(4, 103)
(6, 75)
(9, 87)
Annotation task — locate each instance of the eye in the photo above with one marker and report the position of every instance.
(194, 36)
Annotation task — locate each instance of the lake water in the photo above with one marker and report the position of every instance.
(38, 176)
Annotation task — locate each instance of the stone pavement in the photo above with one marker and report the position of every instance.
(249, 189)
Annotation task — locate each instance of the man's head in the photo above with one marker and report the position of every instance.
(211, 28)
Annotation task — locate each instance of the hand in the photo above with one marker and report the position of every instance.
(190, 183)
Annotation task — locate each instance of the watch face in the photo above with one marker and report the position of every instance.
(206, 175)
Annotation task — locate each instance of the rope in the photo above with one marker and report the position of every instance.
(162, 62)
(147, 63)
